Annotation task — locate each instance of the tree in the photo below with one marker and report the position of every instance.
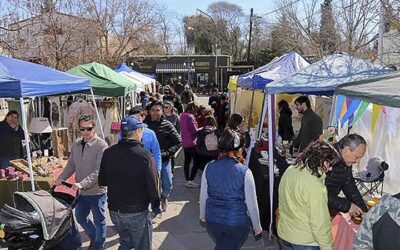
(229, 20)
(327, 34)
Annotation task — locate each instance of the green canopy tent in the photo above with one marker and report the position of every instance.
(103, 80)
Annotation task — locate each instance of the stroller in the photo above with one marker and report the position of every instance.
(41, 220)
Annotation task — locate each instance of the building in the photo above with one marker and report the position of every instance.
(391, 48)
(197, 70)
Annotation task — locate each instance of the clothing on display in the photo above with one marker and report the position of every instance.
(78, 108)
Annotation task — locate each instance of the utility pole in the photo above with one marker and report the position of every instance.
(251, 27)
(215, 51)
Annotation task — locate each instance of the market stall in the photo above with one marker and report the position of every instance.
(21, 79)
(107, 83)
(144, 82)
(320, 78)
(249, 96)
(377, 119)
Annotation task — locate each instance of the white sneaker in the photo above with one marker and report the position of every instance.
(191, 184)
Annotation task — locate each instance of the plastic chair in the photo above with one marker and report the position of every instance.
(371, 180)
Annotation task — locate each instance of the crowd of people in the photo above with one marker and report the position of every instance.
(143, 163)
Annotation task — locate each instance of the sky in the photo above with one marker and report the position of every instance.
(188, 7)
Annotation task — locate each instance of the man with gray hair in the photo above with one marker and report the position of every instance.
(352, 148)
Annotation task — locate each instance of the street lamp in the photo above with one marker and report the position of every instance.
(215, 50)
(189, 66)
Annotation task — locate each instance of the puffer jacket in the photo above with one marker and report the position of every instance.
(167, 136)
(189, 129)
(341, 179)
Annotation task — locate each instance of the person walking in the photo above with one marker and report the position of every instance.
(129, 172)
(187, 96)
(170, 142)
(207, 142)
(171, 115)
(228, 202)
(84, 161)
(150, 143)
(189, 136)
(304, 220)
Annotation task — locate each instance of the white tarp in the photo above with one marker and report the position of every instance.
(384, 142)
(141, 80)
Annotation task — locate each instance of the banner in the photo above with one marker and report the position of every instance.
(340, 101)
(355, 103)
(361, 110)
(376, 109)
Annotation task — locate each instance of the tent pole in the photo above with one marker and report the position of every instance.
(271, 137)
(262, 117)
(251, 110)
(234, 105)
(97, 113)
(28, 149)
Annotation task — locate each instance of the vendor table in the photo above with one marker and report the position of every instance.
(8, 187)
(344, 231)
(261, 179)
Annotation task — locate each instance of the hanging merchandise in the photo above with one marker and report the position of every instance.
(376, 109)
(55, 112)
(78, 108)
(361, 110)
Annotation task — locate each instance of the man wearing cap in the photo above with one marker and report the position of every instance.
(170, 142)
(131, 187)
(150, 142)
(84, 161)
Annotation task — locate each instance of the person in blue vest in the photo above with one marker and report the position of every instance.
(228, 202)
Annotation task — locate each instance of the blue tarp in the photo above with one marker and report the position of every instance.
(125, 68)
(24, 79)
(322, 77)
(277, 69)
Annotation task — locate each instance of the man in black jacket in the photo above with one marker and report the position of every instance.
(311, 124)
(170, 142)
(129, 172)
(351, 148)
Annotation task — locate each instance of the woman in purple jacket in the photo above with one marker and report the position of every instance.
(189, 129)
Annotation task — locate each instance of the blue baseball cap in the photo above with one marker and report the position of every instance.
(131, 123)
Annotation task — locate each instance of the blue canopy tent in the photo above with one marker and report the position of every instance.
(277, 69)
(125, 68)
(320, 78)
(19, 79)
(257, 79)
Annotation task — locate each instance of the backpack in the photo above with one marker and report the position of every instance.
(211, 142)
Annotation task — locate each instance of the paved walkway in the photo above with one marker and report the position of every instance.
(179, 227)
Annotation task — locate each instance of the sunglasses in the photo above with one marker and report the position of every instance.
(85, 129)
(166, 107)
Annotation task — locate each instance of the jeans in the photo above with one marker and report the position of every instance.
(227, 237)
(166, 179)
(134, 230)
(289, 246)
(95, 230)
(190, 154)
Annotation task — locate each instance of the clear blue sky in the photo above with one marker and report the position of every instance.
(188, 7)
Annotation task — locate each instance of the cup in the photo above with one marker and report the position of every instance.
(371, 203)
(357, 220)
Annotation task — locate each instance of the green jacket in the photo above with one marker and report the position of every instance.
(303, 207)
